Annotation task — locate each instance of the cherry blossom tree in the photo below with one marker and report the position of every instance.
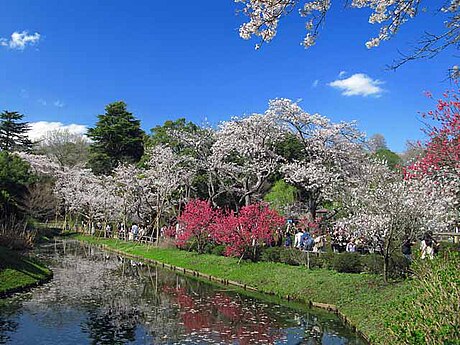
(264, 17)
(198, 143)
(331, 152)
(384, 208)
(82, 193)
(166, 175)
(244, 154)
(127, 190)
(41, 163)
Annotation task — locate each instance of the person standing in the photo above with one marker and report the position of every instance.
(134, 231)
(428, 245)
(406, 248)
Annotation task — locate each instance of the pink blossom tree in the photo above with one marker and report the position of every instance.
(244, 233)
(195, 224)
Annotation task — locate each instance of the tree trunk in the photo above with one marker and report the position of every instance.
(386, 259)
(247, 197)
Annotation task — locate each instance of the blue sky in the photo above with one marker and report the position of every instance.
(185, 59)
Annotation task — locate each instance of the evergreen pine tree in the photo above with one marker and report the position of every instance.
(13, 132)
(117, 138)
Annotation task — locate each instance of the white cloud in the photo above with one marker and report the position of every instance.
(58, 104)
(315, 83)
(342, 74)
(358, 84)
(19, 40)
(42, 101)
(39, 129)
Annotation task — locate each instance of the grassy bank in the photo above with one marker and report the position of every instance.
(364, 299)
(18, 272)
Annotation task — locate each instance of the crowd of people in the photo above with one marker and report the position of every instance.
(297, 236)
(302, 238)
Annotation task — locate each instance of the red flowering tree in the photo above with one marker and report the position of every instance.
(245, 233)
(443, 147)
(441, 161)
(195, 224)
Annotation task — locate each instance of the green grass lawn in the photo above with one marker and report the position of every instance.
(363, 298)
(18, 271)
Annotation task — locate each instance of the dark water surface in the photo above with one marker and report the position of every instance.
(97, 297)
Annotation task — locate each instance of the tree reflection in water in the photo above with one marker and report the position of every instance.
(100, 298)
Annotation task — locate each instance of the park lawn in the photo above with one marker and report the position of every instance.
(18, 272)
(363, 298)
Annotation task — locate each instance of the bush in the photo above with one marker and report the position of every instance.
(372, 263)
(399, 266)
(347, 263)
(431, 312)
(294, 257)
(218, 250)
(449, 247)
(271, 254)
(14, 234)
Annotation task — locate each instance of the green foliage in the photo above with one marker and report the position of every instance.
(271, 254)
(290, 148)
(117, 138)
(14, 178)
(391, 158)
(341, 262)
(449, 247)
(430, 313)
(218, 250)
(13, 132)
(295, 257)
(372, 263)
(281, 195)
(162, 134)
(347, 263)
(17, 271)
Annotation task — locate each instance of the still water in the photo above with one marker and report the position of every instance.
(97, 297)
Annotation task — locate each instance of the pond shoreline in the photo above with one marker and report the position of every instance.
(111, 246)
(19, 273)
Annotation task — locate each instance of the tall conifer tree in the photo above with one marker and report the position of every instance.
(13, 132)
(117, 138)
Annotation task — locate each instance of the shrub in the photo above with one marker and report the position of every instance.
(272, 254)
(372, 263)
(449, 247)
(218, 250)
(399, 266)
(431, 312)
(347, 263)
(14, 234)
(292, 257)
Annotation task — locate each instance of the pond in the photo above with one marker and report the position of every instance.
(98, 297)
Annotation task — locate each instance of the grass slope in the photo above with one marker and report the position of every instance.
(364, 299)
(18, 272)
